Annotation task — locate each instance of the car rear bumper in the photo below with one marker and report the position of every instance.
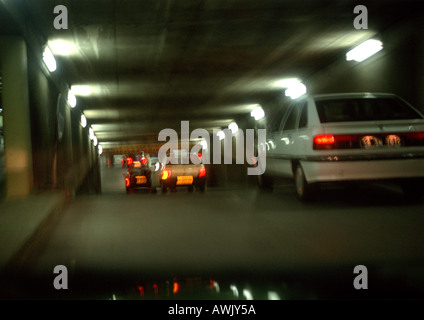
(172, 182)
(335, 170)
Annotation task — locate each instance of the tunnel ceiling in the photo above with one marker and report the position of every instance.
(150, 64)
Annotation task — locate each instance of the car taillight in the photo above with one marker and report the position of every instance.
(414, 139)
(166, 173)
(129, 161)
(371, 140)
(143, 161)
(324, 139)
(127, 182)
(202, 172)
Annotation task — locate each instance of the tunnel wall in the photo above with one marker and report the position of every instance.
(62, 159)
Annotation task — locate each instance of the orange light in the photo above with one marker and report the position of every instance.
(143, 160)
(166, 173)
(202, 172)
(129, 161)
(176, 288)
(127, 182)
(324, 139)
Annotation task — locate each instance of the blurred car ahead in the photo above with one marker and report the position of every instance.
(140, 173)
(339, 138)
(184, 169)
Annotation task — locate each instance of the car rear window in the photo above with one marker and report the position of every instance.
(364, 109)
(183, 157)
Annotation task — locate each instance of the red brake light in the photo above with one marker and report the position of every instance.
(324, 139)
(166, 173)
(415, 138)
(129, 161)
(143, 160)
(202, 172)
(127, 182)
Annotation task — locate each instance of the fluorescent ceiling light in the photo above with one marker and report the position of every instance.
(100, 149)
(72, 100)
(62, 47)
(220, 134)
(83, 121)
(296, 90)
(91, 132)
(49, 60)
(285, 83)
(95, 141)
(204, 144)
(81, 90)
(233, 127)
(86, 90)
(364, 50)
(258, 113)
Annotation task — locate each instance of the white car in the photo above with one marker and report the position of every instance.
(182, 171)
(345, 138)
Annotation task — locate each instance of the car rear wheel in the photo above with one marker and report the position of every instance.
(305, 191)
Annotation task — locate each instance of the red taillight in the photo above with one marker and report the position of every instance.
(166, 173)
(414, 138)
(127, 182)
(202, 172)
(143, 161)
(129, 161)
(324, 139)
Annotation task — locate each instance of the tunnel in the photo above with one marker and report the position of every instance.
(84, 85)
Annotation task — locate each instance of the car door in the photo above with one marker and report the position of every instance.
(273, 135)
(287, 139)
(298, 135)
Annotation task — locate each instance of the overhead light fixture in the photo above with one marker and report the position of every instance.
(287, 82)
(95, 141)
(204, 144)
(258, 113)
(100, 149)
(91, 133)
(62, 47)
(233, 127)
(364, 50)
(72, 100)
(49, 59)
(86, 90)
(296, 90)
(220, 134)
(83, 121)
(81, 90)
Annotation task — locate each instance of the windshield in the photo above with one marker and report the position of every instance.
(346, 110)
(250, 202)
